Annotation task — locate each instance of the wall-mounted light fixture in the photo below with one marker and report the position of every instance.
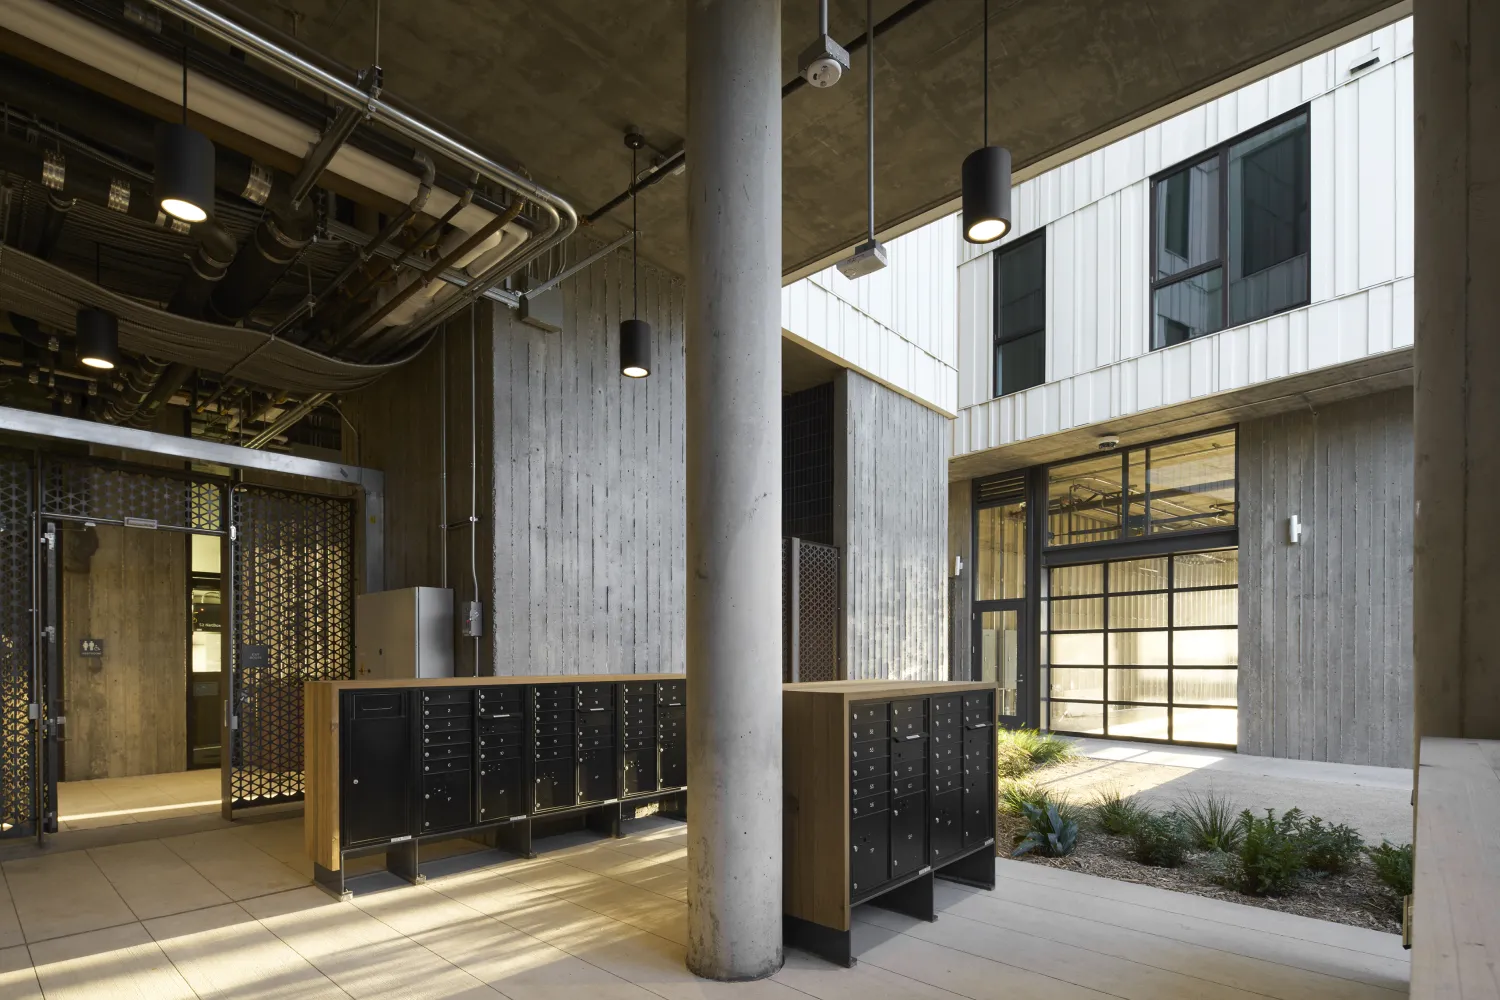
(1293, 530)
(635, 333)
(184, 166)
(986, 171)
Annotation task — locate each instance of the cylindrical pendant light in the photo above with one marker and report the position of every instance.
(98, 338)
(635, 348)
(635, 333)
(986, 172)
(184, 166)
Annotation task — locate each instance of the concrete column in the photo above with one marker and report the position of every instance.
(1457, 559)
(734, 487)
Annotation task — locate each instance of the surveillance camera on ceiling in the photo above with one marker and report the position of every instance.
(1109, 442)
(824, 62)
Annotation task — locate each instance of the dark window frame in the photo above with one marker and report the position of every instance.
(996, 340)
(1152, 542)
(1219, 152)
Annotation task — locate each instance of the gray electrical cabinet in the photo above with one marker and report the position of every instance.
(404, 634)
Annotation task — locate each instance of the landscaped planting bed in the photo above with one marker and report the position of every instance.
(1201, 844)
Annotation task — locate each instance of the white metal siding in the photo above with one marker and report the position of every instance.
(898, 325)
(1096, 211)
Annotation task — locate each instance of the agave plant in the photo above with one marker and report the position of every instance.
(1051, 834)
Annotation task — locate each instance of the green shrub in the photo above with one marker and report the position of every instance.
(1113, 813)
(1159, 839)
(1393, 866)
(1211, 821)
(1051, 834)
(1037, 747)
(1016, 794)
(1271, 854)
(1329, 849)
(1012, 760)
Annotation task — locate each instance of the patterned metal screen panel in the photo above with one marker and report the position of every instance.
(104, 493)
(293, 595)
(816, 609)
(17, 731)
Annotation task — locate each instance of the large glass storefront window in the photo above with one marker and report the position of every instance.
(1144, 649)
(1187, 484)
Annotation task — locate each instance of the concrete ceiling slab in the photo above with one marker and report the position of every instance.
(552, 86)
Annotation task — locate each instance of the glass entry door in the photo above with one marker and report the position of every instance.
(1000, 603)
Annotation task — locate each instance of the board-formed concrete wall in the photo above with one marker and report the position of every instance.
(1326, 624)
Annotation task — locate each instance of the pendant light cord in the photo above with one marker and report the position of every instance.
(870, 96)
(985, 75)
(184, 83)
(635, 246)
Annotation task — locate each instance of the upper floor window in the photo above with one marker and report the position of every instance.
(1231, 232)
(1021, 314)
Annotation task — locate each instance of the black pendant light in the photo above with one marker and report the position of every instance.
(184, 166)
(986, 173)
(98, 338)
(635, 333)
(98, 331)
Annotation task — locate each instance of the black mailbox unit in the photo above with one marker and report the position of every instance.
(899, 778)
(425, 760)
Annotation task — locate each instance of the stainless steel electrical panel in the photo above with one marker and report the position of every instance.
(404, 634)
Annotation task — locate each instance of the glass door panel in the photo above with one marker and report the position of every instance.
(1000, 656)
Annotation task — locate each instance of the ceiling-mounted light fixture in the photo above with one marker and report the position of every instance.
(986, 172)
(635, 333)
(869, 256)
(184, 165)
(98, 338)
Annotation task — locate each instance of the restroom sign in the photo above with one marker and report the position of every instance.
(90, 647)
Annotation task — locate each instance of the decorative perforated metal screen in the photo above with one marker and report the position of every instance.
(17, 731)
(811, 610)
(294, 596)
(93, 491)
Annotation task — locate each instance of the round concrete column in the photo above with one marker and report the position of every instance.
(734, 487)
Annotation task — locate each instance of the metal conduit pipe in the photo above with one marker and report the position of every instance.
(677, 159)
(559, 220)
(362, 330)
(313, 307)
(275, 245)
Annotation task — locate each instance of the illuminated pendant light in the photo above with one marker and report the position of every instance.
(98, 331)
(184, 166)
(635, 333)
(98, 338)
(986, 173)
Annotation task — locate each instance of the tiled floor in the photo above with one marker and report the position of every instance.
(230, 914)
(86, 805)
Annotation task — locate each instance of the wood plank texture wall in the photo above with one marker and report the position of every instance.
(894, 488)
(1326, 625)
(126, 710)
(589, 493)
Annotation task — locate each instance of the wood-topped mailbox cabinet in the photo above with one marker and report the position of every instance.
(888, 786)
(393, 763)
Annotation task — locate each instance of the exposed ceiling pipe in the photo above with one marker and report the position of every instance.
(288, 420)
(314, 306)
(284, 231)
(468, 248)
(675, 161)
(559, 219)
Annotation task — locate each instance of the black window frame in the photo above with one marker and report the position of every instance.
(1151, 542)
(996, 341)
(1219, 152)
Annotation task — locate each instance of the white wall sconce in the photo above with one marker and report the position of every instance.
(1294, 530)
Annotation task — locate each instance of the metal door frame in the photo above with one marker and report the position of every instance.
(369, 555)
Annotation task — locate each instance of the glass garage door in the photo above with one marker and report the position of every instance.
(1144, 649)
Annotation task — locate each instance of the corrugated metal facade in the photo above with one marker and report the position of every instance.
(1096, 210)
(897, 325)
(590, 486)
(1325, 625)
(895, 540)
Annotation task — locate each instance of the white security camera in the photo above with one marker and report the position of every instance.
(824, 62)
(1109, 442)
